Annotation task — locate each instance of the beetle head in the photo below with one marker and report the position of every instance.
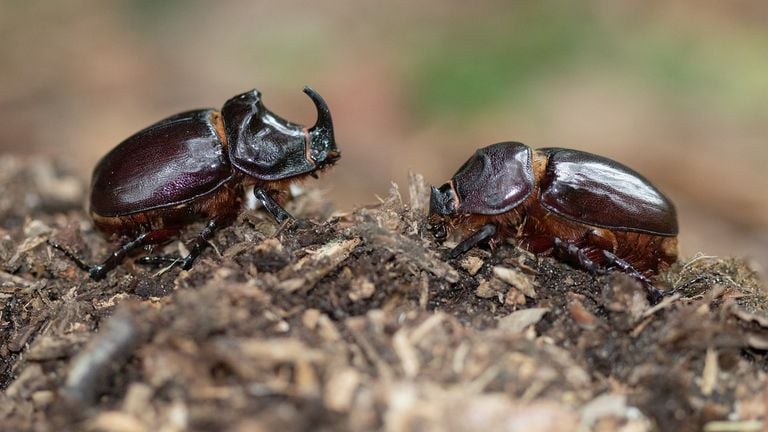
(267, 147)
(442, 205)
(322, 144)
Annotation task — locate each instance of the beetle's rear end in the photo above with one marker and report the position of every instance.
(618, 208)
(164, 176)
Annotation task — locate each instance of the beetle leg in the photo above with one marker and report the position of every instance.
(201, 242)
(607, 260)
(654, 294)
(270, 205)
(156, 260)
(98, 271)
(484, 233)
(577, 255)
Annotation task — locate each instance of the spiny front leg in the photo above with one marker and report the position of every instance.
(486, 232)
(271, 206)
(201, 242)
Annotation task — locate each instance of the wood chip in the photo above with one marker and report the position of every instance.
(306, 379)
(583, 317)
(407, 250)
(116, 421)
(317, 321)
(309, 270)
(471, 264)
(340, 389)
(606, 405)
(122, 333)
(409, 358)
(709, 374)
(735, 426)
(270, 351)
(361, 288)
(757, 341)
(743, 315)
(667, 302)
(418, 194)
(487, 289)
(51, 347)
(514, 297)
(516, 279)
(518, 321)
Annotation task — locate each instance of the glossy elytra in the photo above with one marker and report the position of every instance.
(586, 209)
(195, 166)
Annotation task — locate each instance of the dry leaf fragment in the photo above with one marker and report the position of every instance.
(516, 279)
(518, 321)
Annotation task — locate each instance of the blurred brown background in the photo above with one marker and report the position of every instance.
(678, 90)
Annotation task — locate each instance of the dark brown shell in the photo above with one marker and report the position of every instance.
(167, 164)
(598, 191)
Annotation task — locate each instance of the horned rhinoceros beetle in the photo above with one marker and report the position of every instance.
(587, 209)
(196, 166)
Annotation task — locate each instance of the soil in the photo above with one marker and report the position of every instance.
(355, 321)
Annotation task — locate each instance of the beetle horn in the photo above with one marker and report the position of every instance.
(323, 113)
(323, 142)
(441, 200)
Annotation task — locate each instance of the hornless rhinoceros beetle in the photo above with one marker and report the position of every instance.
(196, 166)
(586, 209)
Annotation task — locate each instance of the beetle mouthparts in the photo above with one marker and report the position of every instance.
(438, 230)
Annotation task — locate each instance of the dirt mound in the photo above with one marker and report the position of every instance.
(354, 321)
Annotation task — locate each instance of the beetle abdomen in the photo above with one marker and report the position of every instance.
(598, 191)
(169, 163)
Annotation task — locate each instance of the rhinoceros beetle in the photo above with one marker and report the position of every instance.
(586, 209)
(195, 166)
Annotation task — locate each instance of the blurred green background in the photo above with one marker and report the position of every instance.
(676, 89)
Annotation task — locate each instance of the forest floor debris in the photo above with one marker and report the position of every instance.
(355, 321)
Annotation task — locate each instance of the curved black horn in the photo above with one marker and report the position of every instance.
(324, 120)
(322, 142)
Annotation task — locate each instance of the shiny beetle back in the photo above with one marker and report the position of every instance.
(169, 163)
(599, 191)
